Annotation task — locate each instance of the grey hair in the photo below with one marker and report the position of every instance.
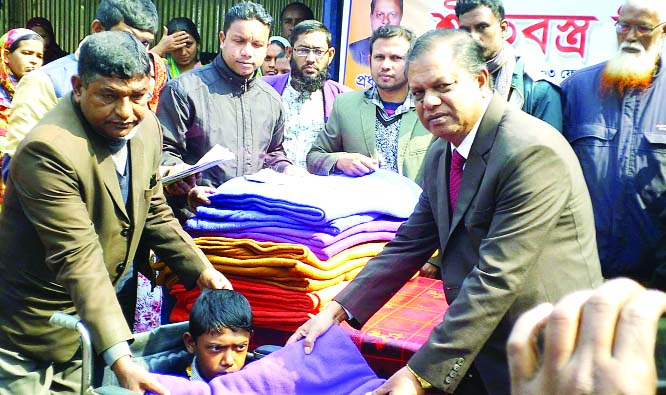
(465, 51)
(247, 11)
(139, 14)
(112, 54)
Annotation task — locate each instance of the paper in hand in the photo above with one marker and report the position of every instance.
(214, 157)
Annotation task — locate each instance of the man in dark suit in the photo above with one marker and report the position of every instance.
(503, 198)
(83, 190)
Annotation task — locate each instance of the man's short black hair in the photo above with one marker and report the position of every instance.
(307, 27)
(247, 11)
(297, 4)
(465, 6)
(138, 14)
(372, 5)
(112, 54)
(216, 309)
(389, 31)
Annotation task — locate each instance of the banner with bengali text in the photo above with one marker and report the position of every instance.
(555, 37)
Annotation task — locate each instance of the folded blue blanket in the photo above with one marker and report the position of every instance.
(319, 199)
(221, 220)
(335, 367)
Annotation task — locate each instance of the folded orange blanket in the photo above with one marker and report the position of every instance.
(281, 265)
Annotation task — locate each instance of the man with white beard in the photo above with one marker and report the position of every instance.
(615, 119)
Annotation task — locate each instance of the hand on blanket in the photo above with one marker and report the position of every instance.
(403, 382)
(136, 378)
(297, 171)
(211, 278)
(333, 313)
(595, 342)
(199, 196)
(356, 165)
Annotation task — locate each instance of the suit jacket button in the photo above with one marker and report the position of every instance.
(461, 361)
(120, 268)
(448, 380)
(124, 232)
(456, 367)
(453, 374)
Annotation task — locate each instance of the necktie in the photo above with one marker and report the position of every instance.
(455, 175)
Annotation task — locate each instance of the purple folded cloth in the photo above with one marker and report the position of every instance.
(323, 253)
(319, 199)
(335, 367)
(220, 220)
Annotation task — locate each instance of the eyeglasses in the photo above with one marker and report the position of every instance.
(304, 51)
(641, 30)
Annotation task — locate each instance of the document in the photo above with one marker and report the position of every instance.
(214, 157)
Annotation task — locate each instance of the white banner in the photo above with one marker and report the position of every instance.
(556, 37)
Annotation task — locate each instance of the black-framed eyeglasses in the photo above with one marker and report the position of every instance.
(641, 30)
(305, 51)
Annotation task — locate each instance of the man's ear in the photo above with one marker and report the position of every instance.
(331, 55)
(188, 340)
(504, 26)
(483, 79)
(77, 88)
(221, 35)
(96, 26)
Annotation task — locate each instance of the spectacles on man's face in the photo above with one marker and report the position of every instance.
(641, 30)
(305, 51)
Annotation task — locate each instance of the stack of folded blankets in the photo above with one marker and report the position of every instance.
(290, 244)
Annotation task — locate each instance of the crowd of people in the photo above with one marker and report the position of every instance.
(533, 194)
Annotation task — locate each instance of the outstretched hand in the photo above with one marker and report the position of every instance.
(332, 314)
(135, 378)
(594, 342)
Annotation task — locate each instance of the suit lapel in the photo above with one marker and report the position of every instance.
(475, 165)
(108, 170)
(368, 119)
(137, 167)
(407, 124)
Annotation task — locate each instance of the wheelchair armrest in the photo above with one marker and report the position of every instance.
(263, 351)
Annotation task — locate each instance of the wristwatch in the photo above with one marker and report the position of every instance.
(423, 382)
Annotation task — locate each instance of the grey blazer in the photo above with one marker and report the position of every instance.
(522, 233)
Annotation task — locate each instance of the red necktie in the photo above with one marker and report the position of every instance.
(455, 175)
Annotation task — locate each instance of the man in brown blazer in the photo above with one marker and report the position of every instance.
(83, 190)
(520, 230)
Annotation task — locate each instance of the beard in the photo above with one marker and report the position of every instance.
(307, 83)
(628, 71)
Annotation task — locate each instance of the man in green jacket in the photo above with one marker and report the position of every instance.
(377, 127)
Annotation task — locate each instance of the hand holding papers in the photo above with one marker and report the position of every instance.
(214, 157)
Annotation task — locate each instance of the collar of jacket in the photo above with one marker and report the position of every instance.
(238, 83)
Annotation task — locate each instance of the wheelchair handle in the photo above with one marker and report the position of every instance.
(74, 323)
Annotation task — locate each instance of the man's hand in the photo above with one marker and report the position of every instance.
(403, 382)
(294, 170)
(595, 342)
(333, 313)
(198, 196)
(356, 165)
(170, 42)
(136, 378)
(180, 187)
(428, 270)
(211, 278)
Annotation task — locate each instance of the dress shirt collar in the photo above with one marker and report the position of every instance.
(466, 145)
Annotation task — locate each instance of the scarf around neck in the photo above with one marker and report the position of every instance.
(501, 67)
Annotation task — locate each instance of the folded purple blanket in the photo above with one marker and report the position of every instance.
(335, 367)
(221, 220)
(319, 199)
(312, 238)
